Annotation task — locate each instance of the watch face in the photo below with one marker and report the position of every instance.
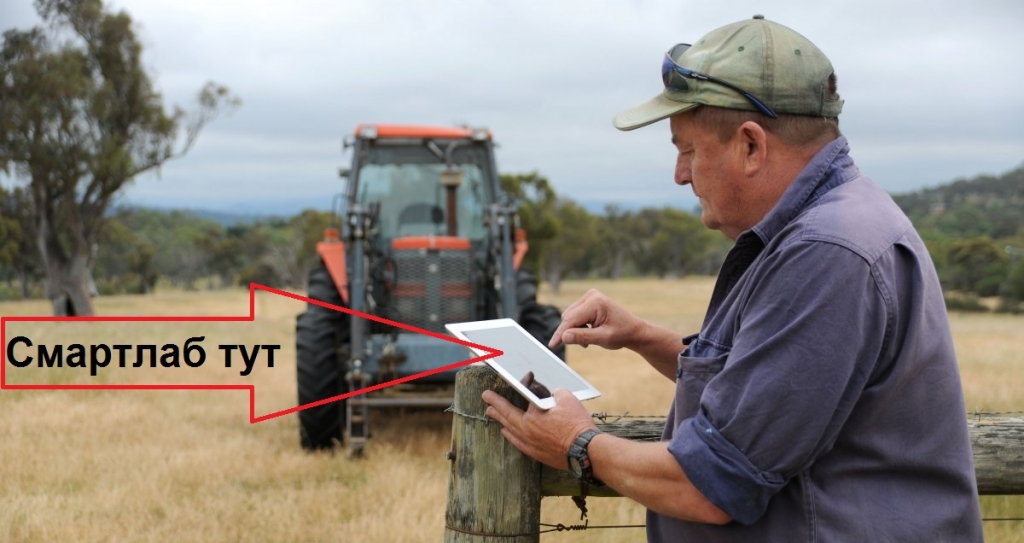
(575, 468)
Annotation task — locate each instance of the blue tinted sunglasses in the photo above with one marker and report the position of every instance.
(675, 77)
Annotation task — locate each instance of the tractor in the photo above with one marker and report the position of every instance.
(426, 237)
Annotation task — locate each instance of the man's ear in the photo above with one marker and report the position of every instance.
(752, 147)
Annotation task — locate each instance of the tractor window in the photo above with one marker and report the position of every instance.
(413, 201)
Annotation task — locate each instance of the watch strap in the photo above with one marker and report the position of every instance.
(578, 451)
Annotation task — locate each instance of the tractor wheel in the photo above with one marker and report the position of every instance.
(526, 287)
(539, 320)
(319, 334)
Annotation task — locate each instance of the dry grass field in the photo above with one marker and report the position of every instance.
(100, 466)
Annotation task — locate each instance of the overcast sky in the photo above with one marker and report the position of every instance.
(934, 90)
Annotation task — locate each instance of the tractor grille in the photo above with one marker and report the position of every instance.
(433, 281)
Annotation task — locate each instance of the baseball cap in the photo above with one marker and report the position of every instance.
(783, 69)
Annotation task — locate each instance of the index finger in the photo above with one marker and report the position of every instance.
(574, 316)
(581, 314)
(556, 337)
(501, 410)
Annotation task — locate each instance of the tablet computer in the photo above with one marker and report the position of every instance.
(526, 364)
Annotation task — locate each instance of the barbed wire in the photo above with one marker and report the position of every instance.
(585, 526)
(451, 409)
(603, 417)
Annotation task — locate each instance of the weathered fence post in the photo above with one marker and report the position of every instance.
(493, 489)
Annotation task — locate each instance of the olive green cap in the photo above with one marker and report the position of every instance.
(774, 63)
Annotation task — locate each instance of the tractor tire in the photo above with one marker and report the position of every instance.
(319, 334)
(526, 288)
(540, 320)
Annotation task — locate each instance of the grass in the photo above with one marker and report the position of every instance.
(187, 466)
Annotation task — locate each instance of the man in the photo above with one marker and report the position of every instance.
(821, 399)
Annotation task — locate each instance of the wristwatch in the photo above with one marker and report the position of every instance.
(579, 461)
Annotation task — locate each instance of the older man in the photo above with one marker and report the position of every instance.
(821, 399)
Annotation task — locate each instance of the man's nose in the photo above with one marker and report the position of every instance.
(683, 175)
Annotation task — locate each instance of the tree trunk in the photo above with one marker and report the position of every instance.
(23, 280)
(618, 257)
(68, 278)
(556, 283)
(67, 287)
(554, 271)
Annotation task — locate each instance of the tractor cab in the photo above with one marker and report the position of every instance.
(429, 192)
(437, 185)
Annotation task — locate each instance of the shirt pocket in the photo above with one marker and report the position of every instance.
(692, 377)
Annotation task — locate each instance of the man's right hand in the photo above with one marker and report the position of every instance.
(595, 319)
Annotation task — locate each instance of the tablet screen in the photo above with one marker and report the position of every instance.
(523, 356)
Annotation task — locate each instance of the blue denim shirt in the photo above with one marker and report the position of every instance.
(821, 400)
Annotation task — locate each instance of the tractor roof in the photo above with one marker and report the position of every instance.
(407, 131)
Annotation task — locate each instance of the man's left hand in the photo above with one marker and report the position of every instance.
(544, 435)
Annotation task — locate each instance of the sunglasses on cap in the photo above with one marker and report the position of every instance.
(675, 77)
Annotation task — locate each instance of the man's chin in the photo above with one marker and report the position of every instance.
(709, 221)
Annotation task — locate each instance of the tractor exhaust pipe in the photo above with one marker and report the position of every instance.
(451, 179)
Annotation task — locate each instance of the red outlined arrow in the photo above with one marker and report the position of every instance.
(253, 287)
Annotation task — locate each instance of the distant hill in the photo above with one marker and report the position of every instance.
(982, 206)
(230, 219)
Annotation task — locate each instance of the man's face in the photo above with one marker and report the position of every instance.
(712, 170)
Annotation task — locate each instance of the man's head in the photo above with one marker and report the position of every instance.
(750, 104)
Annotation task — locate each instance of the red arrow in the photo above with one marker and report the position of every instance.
(253, 419)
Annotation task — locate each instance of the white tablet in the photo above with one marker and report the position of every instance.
(525, 361)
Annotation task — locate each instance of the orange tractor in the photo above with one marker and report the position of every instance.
(428, 238)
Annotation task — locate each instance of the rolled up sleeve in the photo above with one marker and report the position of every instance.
(722, 472)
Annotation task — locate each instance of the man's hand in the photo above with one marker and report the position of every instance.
(542, 435)
(595, 319)
(646, 472)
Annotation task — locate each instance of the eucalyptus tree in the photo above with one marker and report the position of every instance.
(79, 119)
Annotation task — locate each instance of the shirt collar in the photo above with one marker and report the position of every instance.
(830, 167)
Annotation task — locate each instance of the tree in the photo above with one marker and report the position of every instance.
(641, 227)
(977, 265)
(221, 253)
(306, 228)
(124, 262)
(537, 212)
(79, 119)
(617, 240)
(10, 229)
(17, 252)
(575, 242)
(672, 241)
(1013, 288)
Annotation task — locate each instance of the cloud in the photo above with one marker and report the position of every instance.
(928, 89)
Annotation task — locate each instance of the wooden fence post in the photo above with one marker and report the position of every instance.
(493, 489)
